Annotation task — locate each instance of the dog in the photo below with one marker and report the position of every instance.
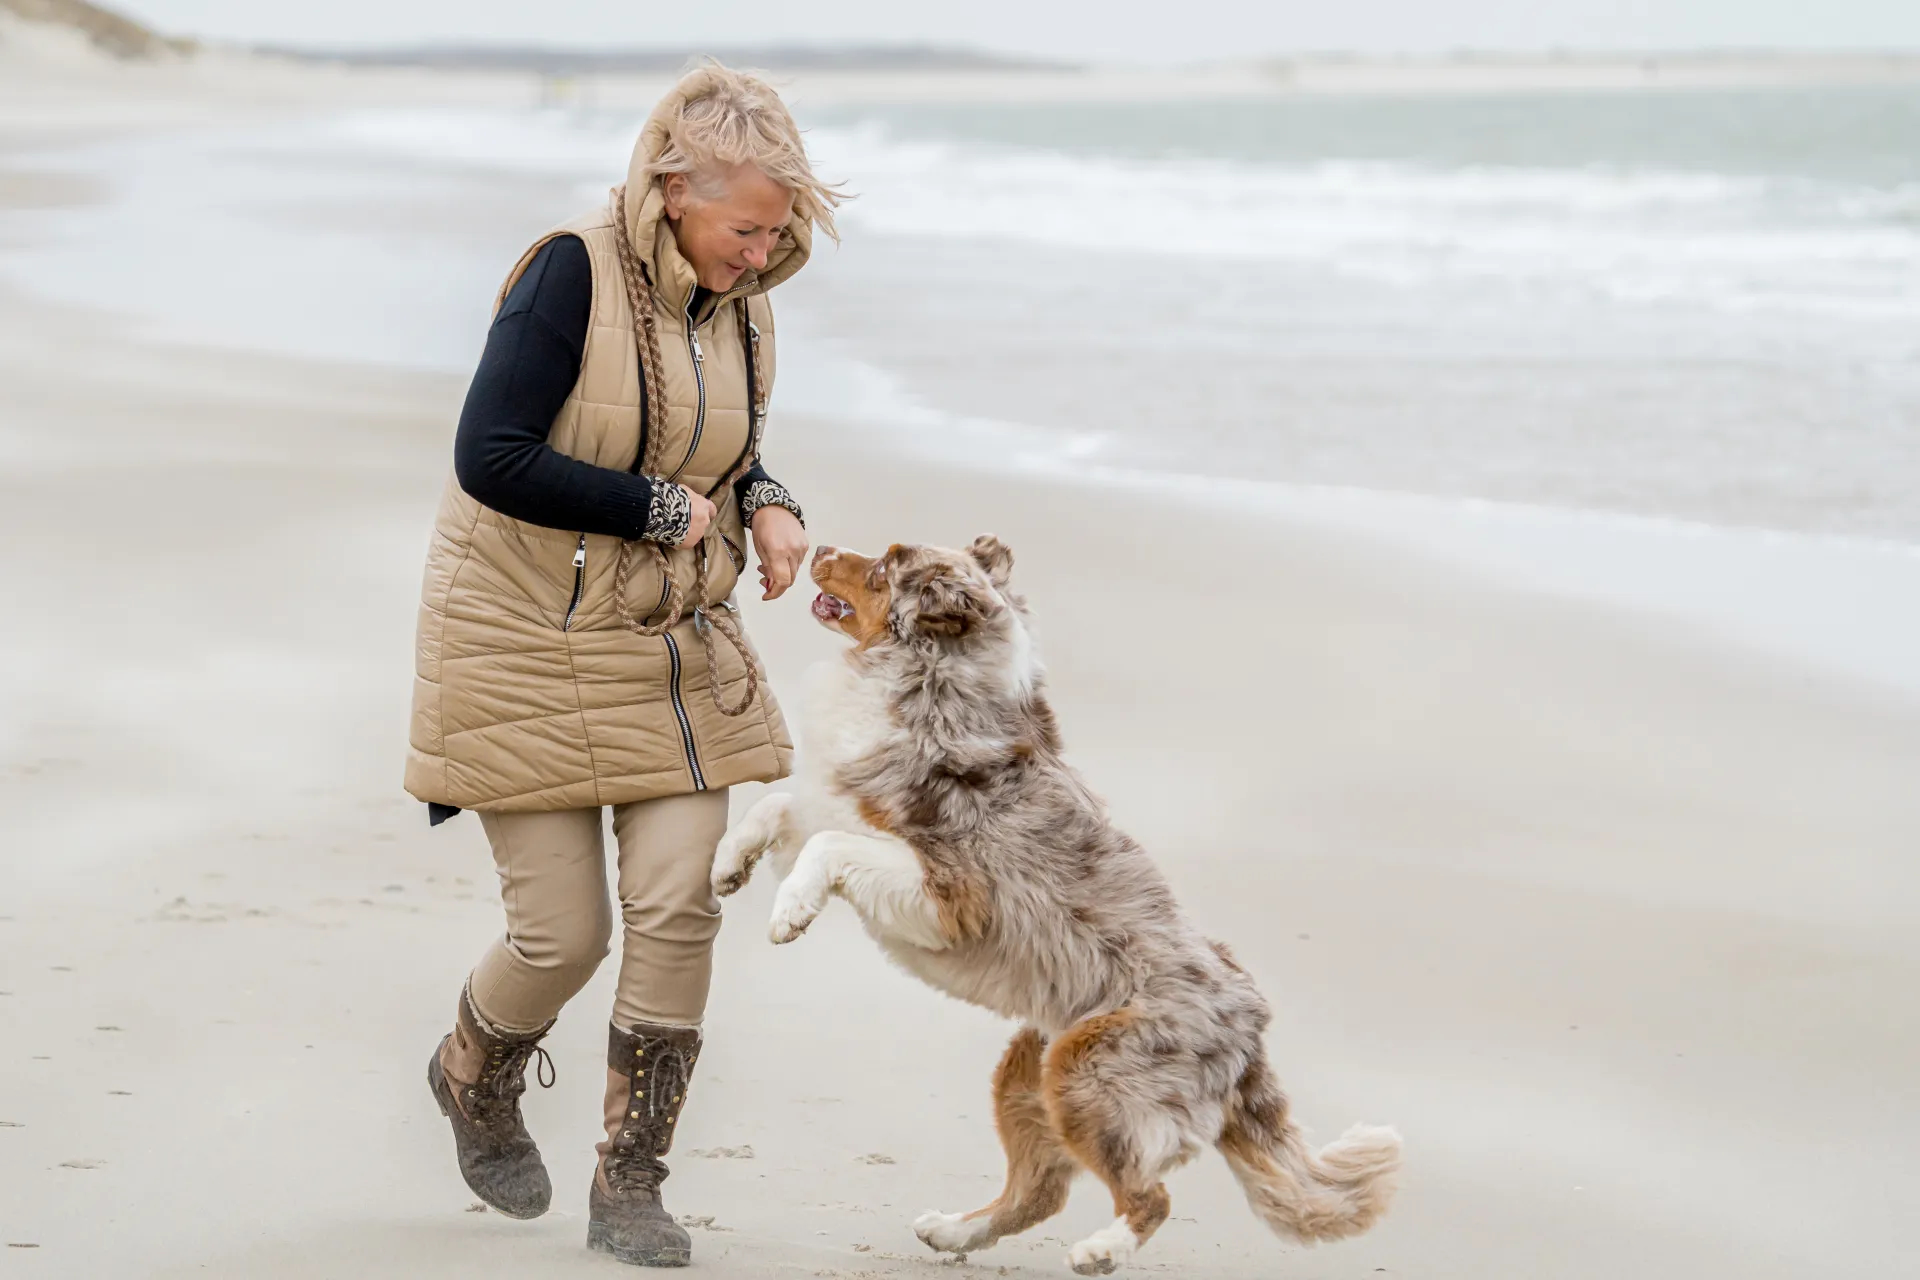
(932, 795)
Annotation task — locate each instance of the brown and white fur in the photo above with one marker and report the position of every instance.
(932, 796)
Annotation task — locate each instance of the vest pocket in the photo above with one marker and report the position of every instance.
(591, 601)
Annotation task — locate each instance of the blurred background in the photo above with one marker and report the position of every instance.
(1466, 457)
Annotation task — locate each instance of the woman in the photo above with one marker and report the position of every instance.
(578, 646)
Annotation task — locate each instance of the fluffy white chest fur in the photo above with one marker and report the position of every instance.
(818, 840)
(842, 719)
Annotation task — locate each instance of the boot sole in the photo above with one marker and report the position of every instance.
(598, 1240)
(437, 1082)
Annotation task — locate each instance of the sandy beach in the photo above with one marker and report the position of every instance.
(1610, 915)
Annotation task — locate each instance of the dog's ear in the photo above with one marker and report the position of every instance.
(951, 605)
(882, 564)
(993, 555)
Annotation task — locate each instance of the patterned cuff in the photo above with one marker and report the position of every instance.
(670, 514)
(768, 493)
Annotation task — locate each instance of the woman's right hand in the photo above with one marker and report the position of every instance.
(702, 520)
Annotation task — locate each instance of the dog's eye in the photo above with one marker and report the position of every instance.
(877, 575)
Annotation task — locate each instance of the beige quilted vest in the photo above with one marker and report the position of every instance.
(529, 693)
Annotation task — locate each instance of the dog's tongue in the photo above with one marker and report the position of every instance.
(830, 608)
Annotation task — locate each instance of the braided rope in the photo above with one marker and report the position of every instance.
(646, 344)
(706, 622)
(646, 341)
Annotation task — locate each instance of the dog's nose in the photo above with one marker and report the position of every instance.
(823, 554)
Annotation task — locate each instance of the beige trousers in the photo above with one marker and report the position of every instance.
(553, 883)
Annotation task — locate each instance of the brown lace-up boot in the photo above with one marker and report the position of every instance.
(477, 1077)
(648, 1070)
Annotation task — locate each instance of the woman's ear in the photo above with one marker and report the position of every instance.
(674, 188)
(993, 555)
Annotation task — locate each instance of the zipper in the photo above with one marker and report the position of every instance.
(680, 712)
(579, 581)
(752, 340)
(700, 384)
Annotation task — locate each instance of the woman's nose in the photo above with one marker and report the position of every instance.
(756, 257)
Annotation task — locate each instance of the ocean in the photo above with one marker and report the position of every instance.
(1695, 304)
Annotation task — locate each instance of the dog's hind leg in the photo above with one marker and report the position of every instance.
(1092, 1079)
(766, 826)
(1039, 1170)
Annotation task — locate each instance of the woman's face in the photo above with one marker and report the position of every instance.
(727, 221)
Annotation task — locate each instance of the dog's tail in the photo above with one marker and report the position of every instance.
(1309, 1196)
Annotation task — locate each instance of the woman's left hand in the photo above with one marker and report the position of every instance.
(781, 541)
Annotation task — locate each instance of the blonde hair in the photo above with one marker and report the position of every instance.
(726, 118)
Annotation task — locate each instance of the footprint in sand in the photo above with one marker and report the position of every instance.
(83, 1162)
(875, 1157)
(722, 1153)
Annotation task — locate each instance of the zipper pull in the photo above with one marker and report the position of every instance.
(580, 553)
(693, 336)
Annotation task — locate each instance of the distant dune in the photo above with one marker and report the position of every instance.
(943, 70)
(116, 34)
(1490, 71)
(664, 60)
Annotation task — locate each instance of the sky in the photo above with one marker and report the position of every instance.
(1137, 31)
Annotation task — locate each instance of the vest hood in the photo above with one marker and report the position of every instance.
(647, 209)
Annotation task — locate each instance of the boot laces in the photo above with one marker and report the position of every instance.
(630, 1171)
(505, 1078)
(656, 1097)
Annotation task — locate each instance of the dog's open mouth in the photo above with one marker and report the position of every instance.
(830, 608)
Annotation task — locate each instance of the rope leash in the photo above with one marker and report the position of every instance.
(707, 618)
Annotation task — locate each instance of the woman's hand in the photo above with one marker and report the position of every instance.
(781, 541)
(702, 520)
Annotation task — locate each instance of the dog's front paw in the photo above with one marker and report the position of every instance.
(733, 865)
(794, 910)
(953, 1233)
(1104, 1252)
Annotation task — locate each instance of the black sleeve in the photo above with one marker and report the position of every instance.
(532, 360)
(756, 474)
